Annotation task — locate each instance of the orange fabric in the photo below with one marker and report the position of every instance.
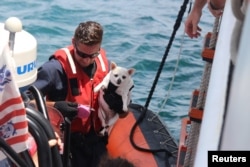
(208, 53)
(119, 144)
(85, 86)
(182, 143)
(195, 113)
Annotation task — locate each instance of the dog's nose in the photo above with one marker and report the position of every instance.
(119, 81)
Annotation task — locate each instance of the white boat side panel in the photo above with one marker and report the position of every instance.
(215, 101)
(236, 135)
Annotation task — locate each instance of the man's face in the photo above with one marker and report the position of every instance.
(85, 54)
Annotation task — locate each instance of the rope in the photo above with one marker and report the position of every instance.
(173, 77)
(193, 136)
(176, 66)
(131, 137)
(144, 109)
(176, 27)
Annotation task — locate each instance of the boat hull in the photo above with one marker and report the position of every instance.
(150, 134)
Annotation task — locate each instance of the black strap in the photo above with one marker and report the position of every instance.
(73, 83)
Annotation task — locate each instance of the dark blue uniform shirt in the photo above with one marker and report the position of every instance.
(52, 80)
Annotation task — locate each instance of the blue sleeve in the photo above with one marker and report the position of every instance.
(51, 78)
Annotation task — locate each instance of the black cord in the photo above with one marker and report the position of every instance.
(190, 6)
(131, 137)
(144, 109)
(176, 27)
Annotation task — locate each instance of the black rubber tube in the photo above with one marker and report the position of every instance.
(49, 132)
(40, 102)
(27, 158)
(66, 150)
(11, 154)
(43, 149)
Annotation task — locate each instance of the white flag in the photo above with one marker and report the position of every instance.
(13, 123)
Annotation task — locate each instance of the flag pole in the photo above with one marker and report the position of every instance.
(13, 25)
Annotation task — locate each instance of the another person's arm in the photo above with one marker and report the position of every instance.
(216, 7)
(191, 25)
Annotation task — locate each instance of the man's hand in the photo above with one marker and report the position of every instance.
(57, 141)
(68, 109)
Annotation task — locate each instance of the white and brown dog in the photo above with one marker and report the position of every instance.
(118, 81)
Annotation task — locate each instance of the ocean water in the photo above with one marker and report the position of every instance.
(136, 34)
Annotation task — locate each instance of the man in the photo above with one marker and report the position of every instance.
(67, 80)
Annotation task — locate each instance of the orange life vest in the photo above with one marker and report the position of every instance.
(80, 85)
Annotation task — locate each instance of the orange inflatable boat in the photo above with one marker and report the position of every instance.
(149, 145)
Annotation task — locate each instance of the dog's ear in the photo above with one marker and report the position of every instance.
(112, 65)
(131, 71)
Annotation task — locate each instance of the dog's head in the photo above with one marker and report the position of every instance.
(120, 76)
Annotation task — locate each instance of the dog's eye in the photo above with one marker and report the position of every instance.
(123, 77)
(116, 75)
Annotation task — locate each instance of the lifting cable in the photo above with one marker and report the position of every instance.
(176, 27)
(144, 109)
(176, 66)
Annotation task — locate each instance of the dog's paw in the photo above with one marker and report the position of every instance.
(103, 132)
(97, 88)
(125, 108)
